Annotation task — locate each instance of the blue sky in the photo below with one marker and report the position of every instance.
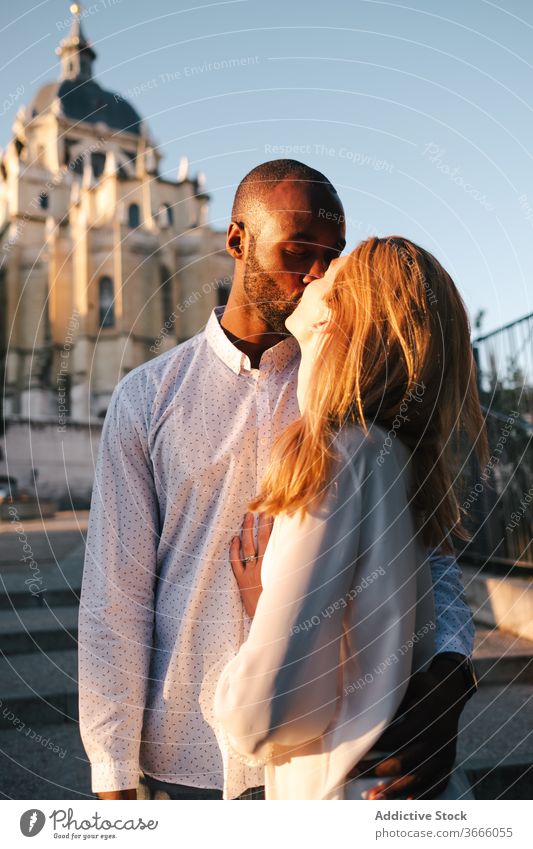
(420, 113)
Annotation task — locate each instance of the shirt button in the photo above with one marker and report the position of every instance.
(264, 440)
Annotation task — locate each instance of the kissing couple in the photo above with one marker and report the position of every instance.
(271, 606)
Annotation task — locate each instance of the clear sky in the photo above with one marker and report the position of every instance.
(420, 113)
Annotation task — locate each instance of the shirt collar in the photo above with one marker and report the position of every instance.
(280, 354)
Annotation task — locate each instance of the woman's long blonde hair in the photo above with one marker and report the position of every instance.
(398, 356)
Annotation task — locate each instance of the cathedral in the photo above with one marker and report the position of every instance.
(103, 264)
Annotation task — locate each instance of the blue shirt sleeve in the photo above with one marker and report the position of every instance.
(455, 625)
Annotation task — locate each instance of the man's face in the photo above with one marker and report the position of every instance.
(302, 230)
(312, 313)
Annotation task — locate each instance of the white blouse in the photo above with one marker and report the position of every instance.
(346, 615)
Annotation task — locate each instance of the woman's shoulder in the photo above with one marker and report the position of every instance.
(377, 467)
(374, 448)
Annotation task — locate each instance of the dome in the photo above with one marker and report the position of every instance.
(85, 100)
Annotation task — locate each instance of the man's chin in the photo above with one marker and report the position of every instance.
(276, 321)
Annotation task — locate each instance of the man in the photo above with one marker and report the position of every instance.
(185, 442)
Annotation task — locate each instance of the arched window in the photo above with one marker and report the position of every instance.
(85, 66)
(106, 299)
(134, 215)
(166, 215)
(166, 296)
(43, 200)
(98, 163)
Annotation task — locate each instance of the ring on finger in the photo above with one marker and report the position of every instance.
(250, 557)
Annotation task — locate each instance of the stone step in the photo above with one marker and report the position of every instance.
(500, 601)
(37, 689)
(508, 781)
(52, 584)
(42, 628)
(502, 658)
(46, 547)
(495, 745)
(44, 762)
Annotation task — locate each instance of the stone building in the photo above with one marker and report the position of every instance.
(103, 265)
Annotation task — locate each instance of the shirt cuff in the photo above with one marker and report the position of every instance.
(458, 637)
(114, 775)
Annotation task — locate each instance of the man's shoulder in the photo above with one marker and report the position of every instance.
(159, 371)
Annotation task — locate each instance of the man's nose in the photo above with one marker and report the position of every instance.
(318, 269)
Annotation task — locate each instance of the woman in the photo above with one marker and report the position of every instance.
(360, 486)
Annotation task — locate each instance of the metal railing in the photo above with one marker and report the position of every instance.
(499, 498)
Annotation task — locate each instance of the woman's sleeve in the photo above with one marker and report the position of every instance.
(455, 625)
(280, 690)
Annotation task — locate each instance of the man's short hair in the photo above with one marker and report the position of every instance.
(258, 183)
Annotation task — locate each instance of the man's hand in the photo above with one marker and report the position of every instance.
(422, 737)
(248, 573)
(118, 794)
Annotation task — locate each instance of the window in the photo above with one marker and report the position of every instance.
(98, 163)
(68, 145)
(166, 215)
(126, 167)
(43, 200)
(134, 215)
(106, 302)
(85, 65)
(73, 164)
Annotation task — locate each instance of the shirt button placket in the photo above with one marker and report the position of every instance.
(264, 424)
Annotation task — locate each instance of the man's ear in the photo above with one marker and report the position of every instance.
(235, 241)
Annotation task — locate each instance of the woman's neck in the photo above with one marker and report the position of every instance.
(309, 354)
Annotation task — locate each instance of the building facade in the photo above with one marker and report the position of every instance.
(103, 263)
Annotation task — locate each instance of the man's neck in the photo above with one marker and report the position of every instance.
(249, 334)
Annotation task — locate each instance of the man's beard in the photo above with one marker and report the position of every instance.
(263, 291)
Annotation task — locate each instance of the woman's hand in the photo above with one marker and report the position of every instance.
(248, 571)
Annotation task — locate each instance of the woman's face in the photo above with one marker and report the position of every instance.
(311, 315)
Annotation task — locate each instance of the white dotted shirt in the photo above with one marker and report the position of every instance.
(185, 443)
